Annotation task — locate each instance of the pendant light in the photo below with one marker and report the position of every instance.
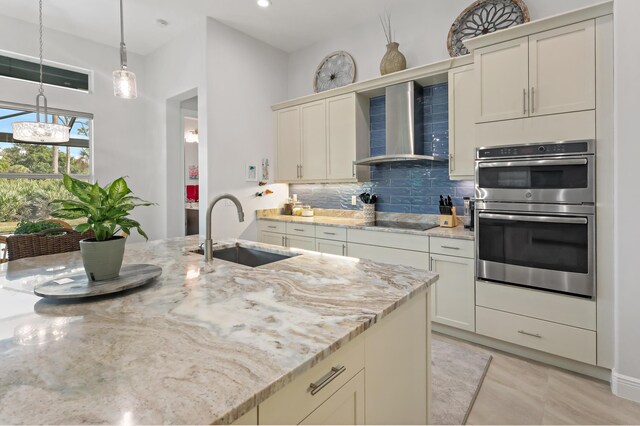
(40, 131)
(124, 81)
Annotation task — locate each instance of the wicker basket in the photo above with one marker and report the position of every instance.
(42, 244)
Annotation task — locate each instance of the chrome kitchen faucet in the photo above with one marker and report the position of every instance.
(208, 243)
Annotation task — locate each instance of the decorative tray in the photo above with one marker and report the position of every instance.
(78, 286)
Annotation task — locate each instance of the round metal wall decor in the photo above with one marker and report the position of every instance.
(336, 70)
(484, 17)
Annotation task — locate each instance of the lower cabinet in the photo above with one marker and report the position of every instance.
(304, 243)
(331, 247)
(272, 238)
(453, 296)
(345, 407)
(416, 259)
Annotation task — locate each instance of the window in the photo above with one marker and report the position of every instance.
(30, 174)
(30, 71)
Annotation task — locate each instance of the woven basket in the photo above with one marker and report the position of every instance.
(42, 244)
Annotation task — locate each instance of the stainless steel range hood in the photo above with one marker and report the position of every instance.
(404, 126)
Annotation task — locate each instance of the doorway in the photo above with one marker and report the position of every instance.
(191, 175)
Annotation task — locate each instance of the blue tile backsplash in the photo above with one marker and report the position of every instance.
(412, 187)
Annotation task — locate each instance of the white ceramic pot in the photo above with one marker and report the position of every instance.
(102, 259)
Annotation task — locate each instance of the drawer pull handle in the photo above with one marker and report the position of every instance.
(450, 247)
(329, 233)
(271, 227)
(530, 334)
(298, 229)
(323, 381)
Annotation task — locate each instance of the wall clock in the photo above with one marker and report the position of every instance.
(484, 17)
(336, 70)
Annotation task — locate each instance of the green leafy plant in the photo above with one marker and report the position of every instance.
(106, 208)
(28, 227)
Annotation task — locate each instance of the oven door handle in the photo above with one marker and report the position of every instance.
(535, 163)
(548, 219)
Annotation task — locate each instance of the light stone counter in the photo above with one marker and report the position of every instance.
(205, 343)
(459, 232)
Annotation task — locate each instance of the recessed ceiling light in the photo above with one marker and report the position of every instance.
(264, 3)
(162, 22)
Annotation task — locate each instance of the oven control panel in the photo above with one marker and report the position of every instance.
(535, 150)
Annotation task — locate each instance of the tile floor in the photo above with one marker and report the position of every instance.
(518, 391)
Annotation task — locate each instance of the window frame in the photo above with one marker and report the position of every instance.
(32, 108)
(49, 63)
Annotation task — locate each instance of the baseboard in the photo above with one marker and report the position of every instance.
(625, 386)
(596, 372)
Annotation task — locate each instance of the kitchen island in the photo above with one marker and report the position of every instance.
(210, 342)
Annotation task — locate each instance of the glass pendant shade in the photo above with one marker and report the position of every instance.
(124, 84)
(29, 131)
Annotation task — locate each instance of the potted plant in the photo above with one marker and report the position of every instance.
(106, 210)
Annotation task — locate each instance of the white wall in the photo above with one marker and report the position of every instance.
(190, 149)
(121, 143)
(421, 27)
(245, 77)
(177, 72)
(626, 379)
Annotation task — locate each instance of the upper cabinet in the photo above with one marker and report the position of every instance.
(319, 141)
(462, 138)
(551, 72)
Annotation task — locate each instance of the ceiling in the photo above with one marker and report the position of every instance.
(287, 24)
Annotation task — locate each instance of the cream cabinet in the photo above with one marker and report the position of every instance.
(272, 238)
(319, 141)
(551, 72)
(331, 247)
(288, 145)
(345, 407)
(462, 137)
(313, 164)
(304, 243)
(453, 296)
(394, 256)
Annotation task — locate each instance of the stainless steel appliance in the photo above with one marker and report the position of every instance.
(535, 216)
(469, 213)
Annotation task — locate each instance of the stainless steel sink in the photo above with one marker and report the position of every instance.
(246, 256)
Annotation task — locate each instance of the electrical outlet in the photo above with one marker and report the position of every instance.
(354, 201)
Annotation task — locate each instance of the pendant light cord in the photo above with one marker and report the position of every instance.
(123, 47)
(41, 45)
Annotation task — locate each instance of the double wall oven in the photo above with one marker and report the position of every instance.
(535, 216)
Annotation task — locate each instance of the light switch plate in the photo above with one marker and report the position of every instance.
(354, 201)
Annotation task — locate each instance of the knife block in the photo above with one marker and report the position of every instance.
(449, 221)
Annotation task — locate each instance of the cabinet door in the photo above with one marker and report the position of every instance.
(341, 145)
(453, 296)
(345, 407)
(393, 256)
(502, 80)
(562, 70)
(331, 247)
(288, 142)
(462, 139)
(271, 238)
(305, 243)
(314, 141)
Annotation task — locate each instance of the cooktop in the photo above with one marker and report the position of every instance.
(404, 225)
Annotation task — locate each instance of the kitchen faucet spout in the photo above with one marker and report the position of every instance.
(208, 242)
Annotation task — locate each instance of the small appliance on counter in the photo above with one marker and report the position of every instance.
(448, 218)
(469, 213)
(307, 211)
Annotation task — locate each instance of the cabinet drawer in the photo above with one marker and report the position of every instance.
(294, 402)
(331, 233)
(393, 256)
(271, 226)
(389, 239)
(537, 304)
(562, 340)
(452, 247)
(301, 229)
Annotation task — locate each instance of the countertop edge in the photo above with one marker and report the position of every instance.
(283, 381)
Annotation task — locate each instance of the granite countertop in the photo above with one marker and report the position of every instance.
(205, 343)
(459, 232)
